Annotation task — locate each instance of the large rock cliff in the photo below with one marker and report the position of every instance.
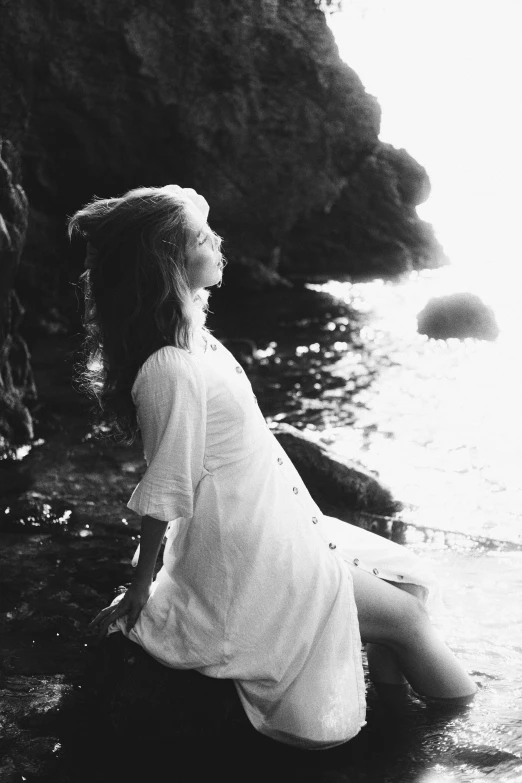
(245, 100)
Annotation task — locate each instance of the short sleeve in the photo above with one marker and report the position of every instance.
(170, 397)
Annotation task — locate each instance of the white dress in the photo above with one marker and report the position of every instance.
(255, 584)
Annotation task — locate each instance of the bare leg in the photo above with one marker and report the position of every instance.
(383, 665)
(397, 620)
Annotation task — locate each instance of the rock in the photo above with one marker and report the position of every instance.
(32, 704)
(15, 474)
(458, 315)
(247, 101)
(247, 274)
(372, 229)
(27, 514)
(341, 488)
(16, 379)
(135, 693)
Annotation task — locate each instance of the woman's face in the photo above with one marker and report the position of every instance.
(204, 264)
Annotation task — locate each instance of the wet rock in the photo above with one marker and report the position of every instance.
(15, 475)
(29, 514)
(30, 705)
(135, 693)
(341, 488)
(16, 380)
(458, 315)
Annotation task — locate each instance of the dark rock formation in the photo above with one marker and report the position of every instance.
(16, 380)
(247, 101)
(372, 229)
(457, 315)
(136, 693)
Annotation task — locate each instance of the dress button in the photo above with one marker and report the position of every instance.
(239, 369)
(356, 561)
(295, 490)
(314, 520)
(279, 461)
(332, 546)
(214, 347)
(400, 576)
(375, 571)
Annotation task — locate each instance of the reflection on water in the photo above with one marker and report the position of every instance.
(440, 422)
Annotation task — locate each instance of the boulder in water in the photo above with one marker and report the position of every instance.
(458, 315)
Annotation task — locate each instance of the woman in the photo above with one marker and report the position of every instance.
(257, 585)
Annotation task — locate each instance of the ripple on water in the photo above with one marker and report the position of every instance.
(34, 514)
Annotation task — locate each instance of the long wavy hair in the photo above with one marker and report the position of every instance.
(136, 295)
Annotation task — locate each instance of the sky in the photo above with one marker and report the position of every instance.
(447, 75)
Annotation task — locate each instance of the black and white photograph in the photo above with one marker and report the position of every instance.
(260, 429)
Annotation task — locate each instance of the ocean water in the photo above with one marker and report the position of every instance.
(441, 420)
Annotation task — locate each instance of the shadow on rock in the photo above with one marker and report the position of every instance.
(150, 718)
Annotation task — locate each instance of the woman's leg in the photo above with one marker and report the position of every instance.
(394, 618)
(383, 665)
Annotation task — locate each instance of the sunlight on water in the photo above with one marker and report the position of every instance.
(445, 415)
(440, 422)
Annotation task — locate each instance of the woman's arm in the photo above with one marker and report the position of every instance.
(133, 601)
(152, 533)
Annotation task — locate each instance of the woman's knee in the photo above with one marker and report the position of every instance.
(412, 620)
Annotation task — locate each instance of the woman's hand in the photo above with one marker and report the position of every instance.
(131, 604)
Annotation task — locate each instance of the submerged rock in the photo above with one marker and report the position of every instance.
(458, 315)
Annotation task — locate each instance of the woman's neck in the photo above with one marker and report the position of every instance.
(199, 341)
